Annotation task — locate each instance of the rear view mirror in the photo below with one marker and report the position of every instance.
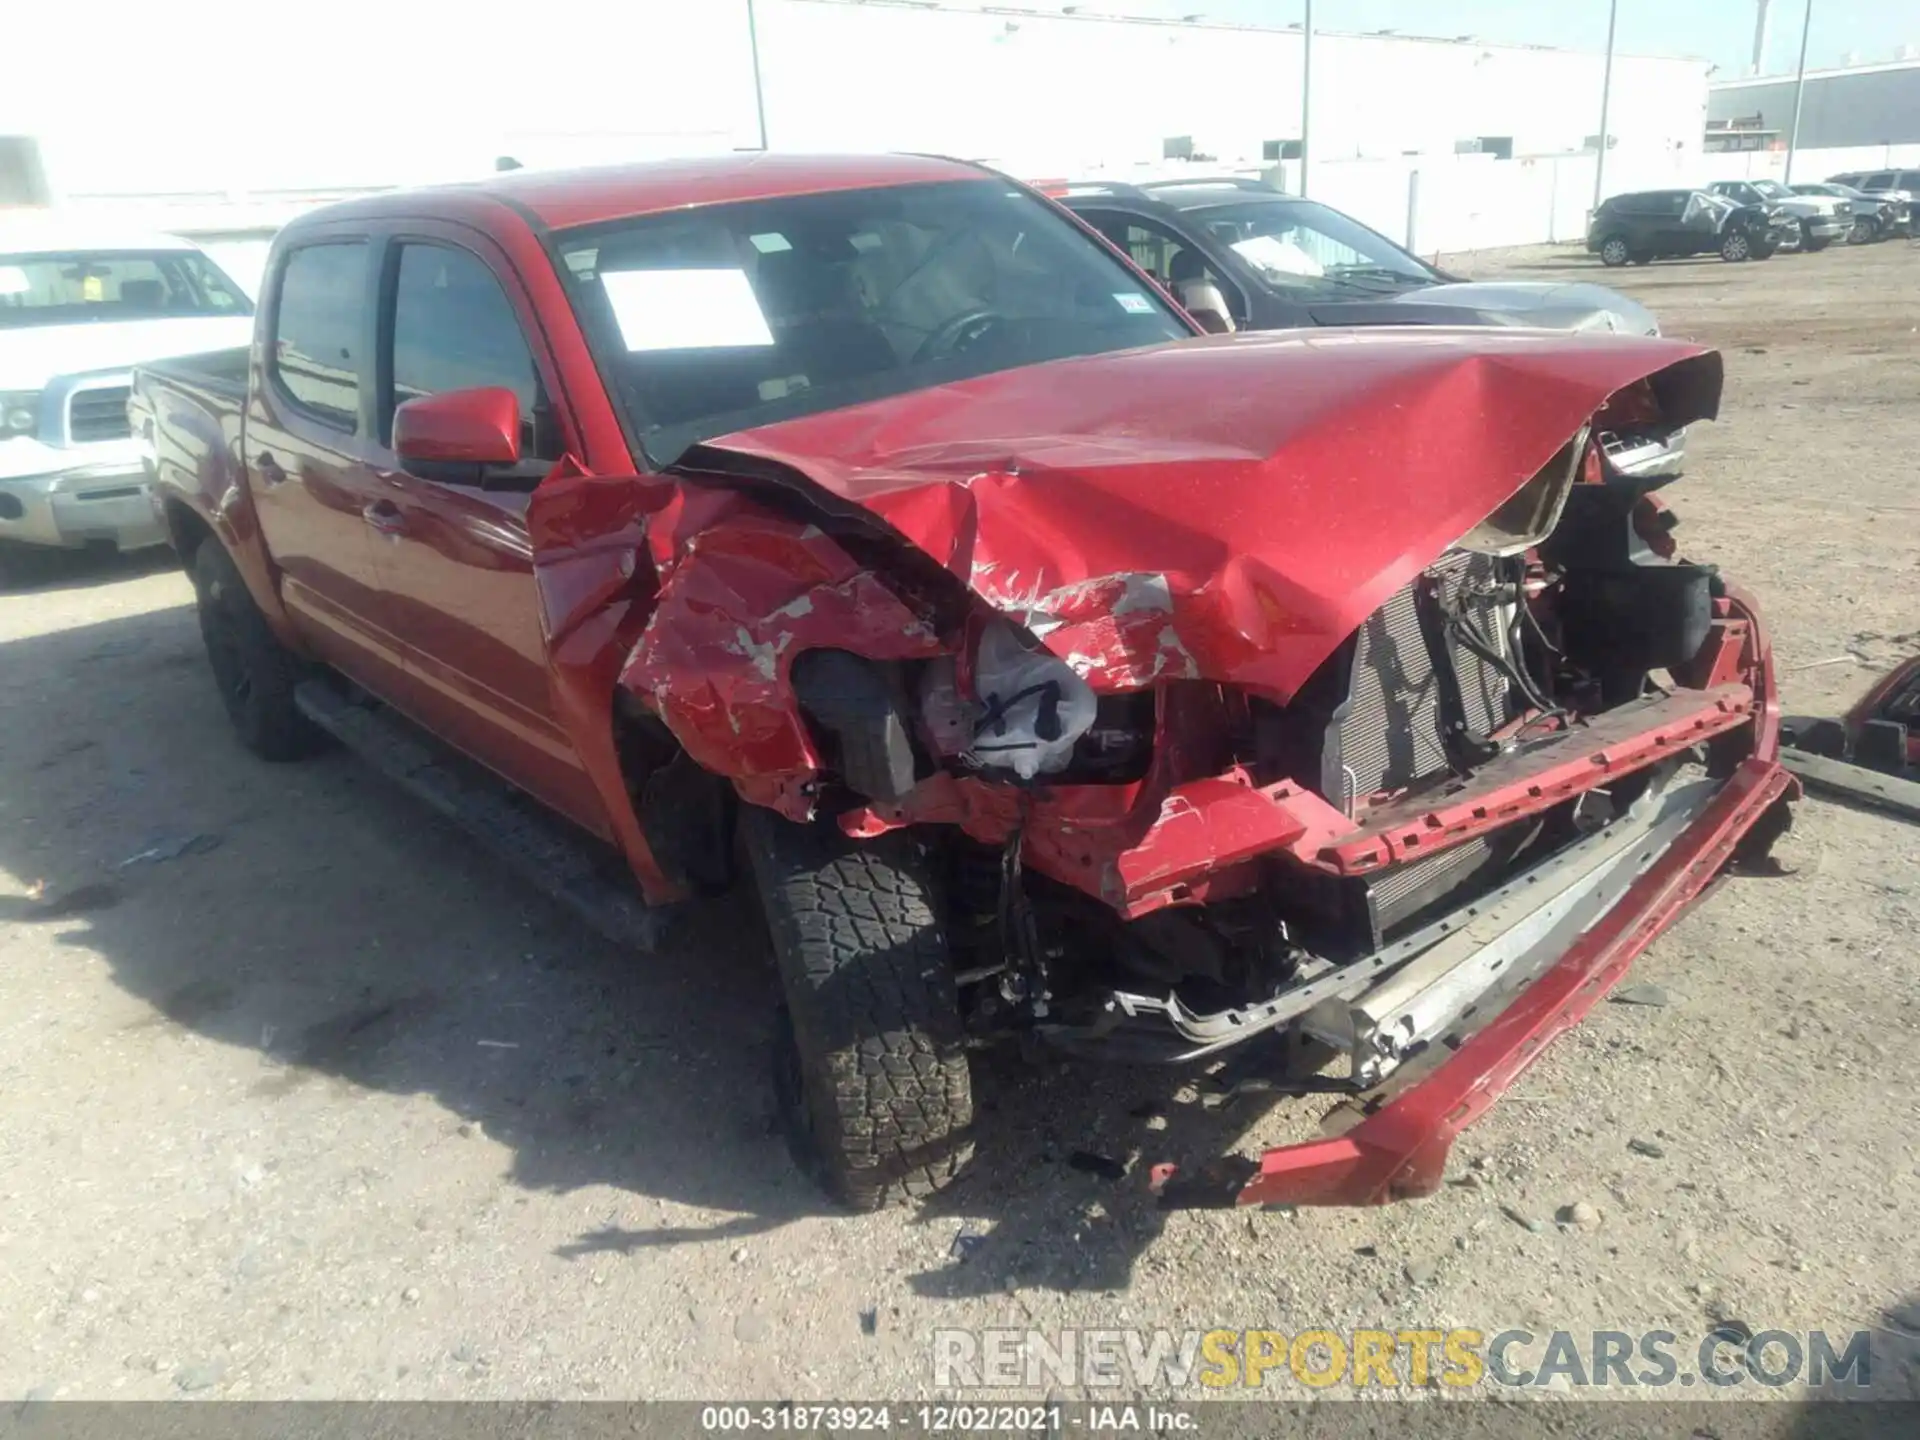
(479, 427)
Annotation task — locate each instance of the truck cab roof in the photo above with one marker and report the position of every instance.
(564, 199)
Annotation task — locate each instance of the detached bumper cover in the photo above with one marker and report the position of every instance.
(1400, 1150)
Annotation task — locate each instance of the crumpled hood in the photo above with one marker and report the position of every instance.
(33, 355)
(1228, 508)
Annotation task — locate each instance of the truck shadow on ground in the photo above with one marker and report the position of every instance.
(36, 569)
(325, 922)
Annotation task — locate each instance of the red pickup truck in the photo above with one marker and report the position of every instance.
(873, 527)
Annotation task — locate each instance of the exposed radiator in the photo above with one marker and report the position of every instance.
(1388, 735)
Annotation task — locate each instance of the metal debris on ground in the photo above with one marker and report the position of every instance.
(971, 1237)
(1642, 994)
(172, 848)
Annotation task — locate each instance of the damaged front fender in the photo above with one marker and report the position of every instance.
(697, 600)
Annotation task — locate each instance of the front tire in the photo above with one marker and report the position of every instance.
(1736, 247)
(871, 1064)
(1615, 252)
(255, 673)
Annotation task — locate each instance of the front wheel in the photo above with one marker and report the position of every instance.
(1615, 252)
(255, 673)
(1735, 247)
(1866, 231)
(870, 1064)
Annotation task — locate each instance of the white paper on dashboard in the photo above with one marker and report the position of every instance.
(685, 309)
(1282, 255)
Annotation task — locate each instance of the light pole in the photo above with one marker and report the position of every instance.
(1799, 92)
(1606, 104)
(1306, 92)
(759, 98)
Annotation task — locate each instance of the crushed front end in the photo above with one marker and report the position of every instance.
(1376, 758)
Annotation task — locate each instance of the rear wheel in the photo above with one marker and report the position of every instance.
(1736, 246)
(255, 673)
(870, 1063)
(1615, 252)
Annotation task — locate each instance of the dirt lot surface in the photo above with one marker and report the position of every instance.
(300, 1097)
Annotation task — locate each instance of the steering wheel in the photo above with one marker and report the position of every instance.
(960, 333)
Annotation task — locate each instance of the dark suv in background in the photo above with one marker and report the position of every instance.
(1646, 225)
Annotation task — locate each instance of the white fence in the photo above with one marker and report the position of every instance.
(1432, 204)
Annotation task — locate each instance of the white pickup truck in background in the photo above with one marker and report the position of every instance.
(79, 308)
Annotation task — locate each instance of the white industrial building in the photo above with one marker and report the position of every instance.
(1448, 141)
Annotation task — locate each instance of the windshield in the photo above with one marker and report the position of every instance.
(725, 317)
(1298, 245)
(1772, 189)
(107, 285)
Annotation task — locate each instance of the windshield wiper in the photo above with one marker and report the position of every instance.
(1395, 278)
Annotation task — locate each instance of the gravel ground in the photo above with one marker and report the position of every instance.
(311, 1102)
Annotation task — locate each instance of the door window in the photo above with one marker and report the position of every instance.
(318, 331)
(454, 329)
(1159, 251)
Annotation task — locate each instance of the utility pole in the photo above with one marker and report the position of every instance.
(1306, 95)
(759, 97)
(1606, 104)
(1799, 92)
(1760, 23)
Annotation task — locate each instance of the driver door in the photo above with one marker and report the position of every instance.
(456, 560)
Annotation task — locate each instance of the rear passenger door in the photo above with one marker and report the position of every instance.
(309, 433)
(455, 559)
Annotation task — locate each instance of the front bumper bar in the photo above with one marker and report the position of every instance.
(91, 499)
(1399, 1151)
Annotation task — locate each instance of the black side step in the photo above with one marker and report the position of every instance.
(571, 867)
(1855, 783)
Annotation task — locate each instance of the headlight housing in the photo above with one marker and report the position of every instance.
(19, 413)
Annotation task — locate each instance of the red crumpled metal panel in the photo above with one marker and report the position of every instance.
(742, 592)
(1228, 508)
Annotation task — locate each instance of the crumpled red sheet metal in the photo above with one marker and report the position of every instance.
(742, 592)
(1225, 509)
(1230, 508)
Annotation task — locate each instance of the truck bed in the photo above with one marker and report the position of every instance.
(189, 409)
(215, 372)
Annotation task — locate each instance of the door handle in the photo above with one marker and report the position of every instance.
(269, 468)
(386, 517)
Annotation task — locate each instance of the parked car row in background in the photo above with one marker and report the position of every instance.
(1751, 219)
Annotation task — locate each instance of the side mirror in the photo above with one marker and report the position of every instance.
(460, 427)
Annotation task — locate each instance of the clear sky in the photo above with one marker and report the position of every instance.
(1720, 30)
